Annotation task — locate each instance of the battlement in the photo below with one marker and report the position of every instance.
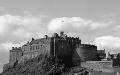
(88, 46)
(16, 48)
(68, 39)
(15, 54)
(62, 35)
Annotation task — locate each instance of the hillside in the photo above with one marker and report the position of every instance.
(41, 65)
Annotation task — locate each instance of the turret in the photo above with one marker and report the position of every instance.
(55, 35)
(33, 39)
(15, 54)
(46, 36)
(61, 33)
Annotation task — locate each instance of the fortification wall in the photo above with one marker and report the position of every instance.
(15, 55)
(36, 47)
(87, 52)
(63, 47)
(76, 58)
(104, 66)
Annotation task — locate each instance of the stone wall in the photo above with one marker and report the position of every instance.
(15, 55)
(87, 52)
(63, 48)
(30, 50)
(103, 66)
(35, 48)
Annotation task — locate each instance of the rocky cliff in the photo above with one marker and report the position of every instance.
(41, 65)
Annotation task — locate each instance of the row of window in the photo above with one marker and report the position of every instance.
(33, 47)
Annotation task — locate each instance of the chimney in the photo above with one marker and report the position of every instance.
(33, 39)
(12, 48)
(55, 35)
(46, 36)
(61, 33)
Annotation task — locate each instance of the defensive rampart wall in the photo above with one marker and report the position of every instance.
(87, 52)
(103, 66)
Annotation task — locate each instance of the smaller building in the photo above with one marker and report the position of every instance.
(101, 54)
(115, 58)
(15, 54)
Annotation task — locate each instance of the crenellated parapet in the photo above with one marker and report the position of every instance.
(87, 52)
(88, 46)
(16, 48)
(64, 37)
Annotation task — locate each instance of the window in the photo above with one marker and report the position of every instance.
(36, 47)
(30, 47)
(33, 48)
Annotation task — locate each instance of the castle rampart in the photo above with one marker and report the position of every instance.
(87, 52)
(102, 66)
(36, 47)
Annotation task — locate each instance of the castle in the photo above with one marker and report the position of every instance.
(67, 49)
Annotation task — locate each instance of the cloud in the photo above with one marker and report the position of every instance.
(9, 22)
(96, 25)
(117, 28)
(8, 45)
(19, 27)
(108, 42)
(22, 28)
(75, 24)
(2, 8)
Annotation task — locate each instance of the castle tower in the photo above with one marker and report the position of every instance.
(15, 55)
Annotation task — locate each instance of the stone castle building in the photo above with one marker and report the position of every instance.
(68, 50)
(115, 57)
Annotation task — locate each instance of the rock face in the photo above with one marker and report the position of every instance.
(42, 65)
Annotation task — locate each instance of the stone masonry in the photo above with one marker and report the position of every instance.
(68, 50)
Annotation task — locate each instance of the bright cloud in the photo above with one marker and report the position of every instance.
(74, 23)
(19, 26)
(7, 45)
(117, 28)
(9, 22)
(108, 42)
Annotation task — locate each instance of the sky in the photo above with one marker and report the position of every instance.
(94, 21)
